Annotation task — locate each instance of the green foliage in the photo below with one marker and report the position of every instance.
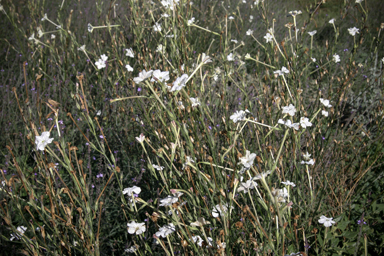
(113, 132)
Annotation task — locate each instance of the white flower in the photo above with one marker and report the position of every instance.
(90, 28)
(169, 3)
(325, 103)
(132, 190)
(191, 21)
(289, 124)
(308, 161)
(336, 58)
(313, 59)
(230, 17)
(187, 161)
(195, 102)
(382, 60)
(160, 76)
(39, 32)
(250, 18)
(32, 37)
(282, 71)
(81, 48)
(290, 110)
(159, 168)
(199, 223)
(262, 175)
(294, 13)
(164, 15)
(45, 17)
(100, 64)
(289, 183)
(217, 210)
(249, 32)
(239, 115)
(136, 228)
(246, 186)
(359, 1)
(234, 41)
(353, 31)
(312, 33)
(198, 239)
(179, 83)
(268, 37)
(205, 58)
(157, 27)
(324, 113)
(332, 21)
(328, 222)
(168, 201)
(143, 75)
(53, 36)
(129, 53)
(160, 48)
(307, 156)
(230, 57)
(247, 160)
(141, 138)
(166, 230)
(20, 231)
(304, 122)
(129, 68)
(132, 249)
(43, 140)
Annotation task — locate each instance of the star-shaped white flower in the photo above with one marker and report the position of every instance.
(239, 115)
(324, 113)
(43, 140)
(129, 68)
(143, 75)
(289, 183)
(195, 102)
(249, 32)
(304, 122)
(20, 231)
(159, 168)
(217, 210)
(332, 21)
(353, 31)
(281, 72)
(312, 33)
(166, 230)
(247, 160)
(336, 58)
(168, 201)
(130, 53)
(136, 228)
(246, 186)
(325, 103)
(290, 110)
(328, 222)
(230, 57)
(268, 37)
(157, 27)
(132, 190)
(141, 138)
(160, 76)
(191, 21)
(179, 83)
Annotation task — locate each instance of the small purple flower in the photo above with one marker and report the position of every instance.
(101, 137)
(139, 89)
(93, 186)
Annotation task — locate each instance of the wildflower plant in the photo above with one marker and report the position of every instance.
(187, 128)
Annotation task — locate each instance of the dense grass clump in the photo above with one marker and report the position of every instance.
(191, 128)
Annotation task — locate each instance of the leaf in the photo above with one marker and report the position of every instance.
(343, 224)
